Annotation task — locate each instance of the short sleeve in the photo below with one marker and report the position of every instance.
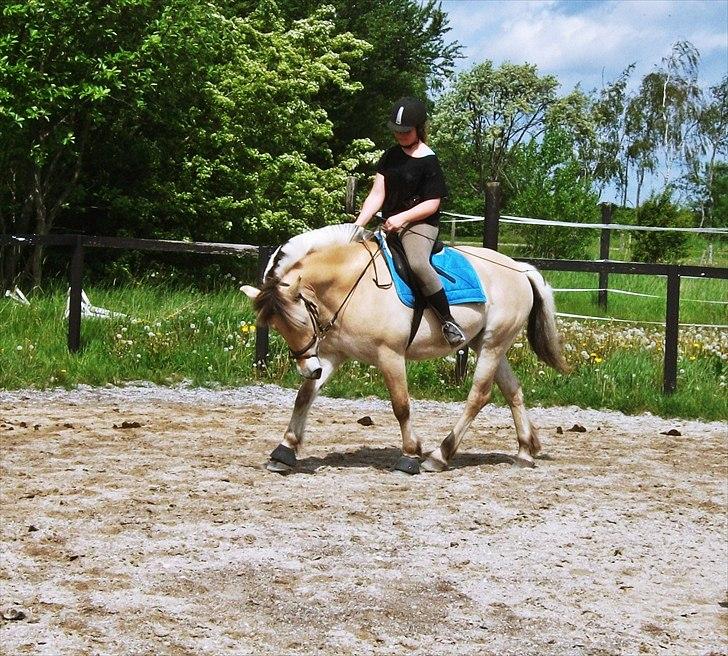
(382, 163)
(433, 181)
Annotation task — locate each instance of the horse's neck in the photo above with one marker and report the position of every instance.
(333, 272)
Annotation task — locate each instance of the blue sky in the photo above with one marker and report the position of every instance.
(590, 41)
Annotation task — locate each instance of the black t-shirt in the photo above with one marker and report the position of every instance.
(409, 181)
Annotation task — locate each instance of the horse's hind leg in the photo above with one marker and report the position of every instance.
(479, 395)
(283, 458)
(528, 442)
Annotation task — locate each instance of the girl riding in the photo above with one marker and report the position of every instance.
(408, 188)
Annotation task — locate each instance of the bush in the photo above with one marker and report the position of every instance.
(661, 246)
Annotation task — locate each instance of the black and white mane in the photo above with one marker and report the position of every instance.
(301, 245)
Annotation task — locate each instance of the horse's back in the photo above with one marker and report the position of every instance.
(504, 279)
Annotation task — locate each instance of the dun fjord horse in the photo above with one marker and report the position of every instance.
(323, 292)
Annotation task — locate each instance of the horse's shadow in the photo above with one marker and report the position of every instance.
(385, 458)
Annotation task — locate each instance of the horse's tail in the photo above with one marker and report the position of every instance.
(543, 335)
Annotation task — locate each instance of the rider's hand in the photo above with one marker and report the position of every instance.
(394, 223)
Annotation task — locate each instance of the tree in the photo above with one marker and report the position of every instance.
(408, 55)
(196, 123)
(706, 166)
(547, 182)
(487, 115)
(61, 63)
(651, 130)
(608, 159)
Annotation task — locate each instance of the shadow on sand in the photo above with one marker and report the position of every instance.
(385, 458)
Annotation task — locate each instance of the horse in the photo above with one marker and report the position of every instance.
(323, 291)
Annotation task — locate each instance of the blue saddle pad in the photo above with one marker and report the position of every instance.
(459, 280)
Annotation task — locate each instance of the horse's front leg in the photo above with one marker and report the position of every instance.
(392, 366)
(283, 458)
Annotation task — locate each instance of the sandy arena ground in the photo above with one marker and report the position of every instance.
(140, 521)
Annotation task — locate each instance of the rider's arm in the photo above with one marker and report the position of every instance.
(373, 202)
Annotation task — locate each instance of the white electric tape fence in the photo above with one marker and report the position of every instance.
(521, 220)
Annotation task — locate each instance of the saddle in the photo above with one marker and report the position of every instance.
(460, 282)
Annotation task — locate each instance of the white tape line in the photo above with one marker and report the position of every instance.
(623, 291)
(653, 323)
(506, 218)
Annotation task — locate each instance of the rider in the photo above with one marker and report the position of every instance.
(408, 187)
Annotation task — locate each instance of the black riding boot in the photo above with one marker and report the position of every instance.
(452, 332)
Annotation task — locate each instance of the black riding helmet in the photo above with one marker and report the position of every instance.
(407, 113)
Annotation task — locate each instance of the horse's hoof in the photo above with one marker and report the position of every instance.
(282, 460)
(408, 465)
(432, 465)
(278, 467)
(523, 463)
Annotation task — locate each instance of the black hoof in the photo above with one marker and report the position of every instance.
(408, 465)
(282, 459)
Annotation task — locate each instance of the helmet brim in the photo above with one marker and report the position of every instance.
(399, 128)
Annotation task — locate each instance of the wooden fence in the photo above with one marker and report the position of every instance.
(604, 266)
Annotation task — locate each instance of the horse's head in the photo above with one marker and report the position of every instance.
(282, 306)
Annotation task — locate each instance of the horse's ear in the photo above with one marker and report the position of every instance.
(250, 292)
(295, 287)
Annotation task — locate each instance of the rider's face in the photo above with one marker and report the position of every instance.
(406, 139)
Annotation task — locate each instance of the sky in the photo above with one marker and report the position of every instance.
(590, 41)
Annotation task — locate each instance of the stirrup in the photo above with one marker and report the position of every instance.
(453, 333)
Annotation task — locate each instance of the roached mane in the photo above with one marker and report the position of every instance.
(296, 248)
(273, 299)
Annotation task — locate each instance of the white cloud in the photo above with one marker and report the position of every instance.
(590, 41)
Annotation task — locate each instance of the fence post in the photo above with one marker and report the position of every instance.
(261, 332)
(350, 200)
(492, 215)
(604, 254)
(672, 316)
(74, 297)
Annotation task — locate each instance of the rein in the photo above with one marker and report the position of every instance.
(321, 329)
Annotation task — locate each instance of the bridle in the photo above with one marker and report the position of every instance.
(321, 329)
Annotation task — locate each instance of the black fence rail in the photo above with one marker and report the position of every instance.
(604, 266)
(80, 243)
(673, 273)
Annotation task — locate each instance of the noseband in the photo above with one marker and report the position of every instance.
(319, 329)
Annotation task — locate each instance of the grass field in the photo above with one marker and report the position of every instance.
(207, 338)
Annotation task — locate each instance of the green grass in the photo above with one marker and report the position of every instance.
(207, 338)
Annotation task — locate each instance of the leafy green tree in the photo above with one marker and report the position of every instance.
(708, 165)
(176, 119)
(487, 115)
(656, 246)
(61, 63)
(608, 159)
(408, 54)
(547, 182)
(234, 145)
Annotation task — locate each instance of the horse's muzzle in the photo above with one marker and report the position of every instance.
(310, 368)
